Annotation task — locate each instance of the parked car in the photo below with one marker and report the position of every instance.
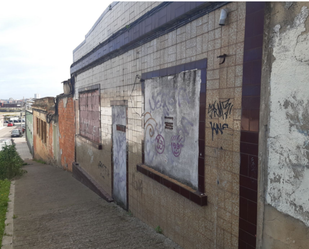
(10, 124)
(16, 133)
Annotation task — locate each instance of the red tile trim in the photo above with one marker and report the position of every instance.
(252, 71)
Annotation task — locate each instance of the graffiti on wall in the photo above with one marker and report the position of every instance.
(216, 128)
(119, 155)
(176, 141)
(137, 183)
(172, 124)
(221, 109)
(167, 100)
(104, 170)
(120, 158)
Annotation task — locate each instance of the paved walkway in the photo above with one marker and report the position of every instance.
(53, 210)
(22, 147)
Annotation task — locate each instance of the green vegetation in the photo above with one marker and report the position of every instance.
(4, 198)
(159, 229)
(10, 163)
(39, 161)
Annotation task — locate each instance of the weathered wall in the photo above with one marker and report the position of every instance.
(29, 130)
(66, 136)
(119, 155)
(286, 218)
(56, 144)
(42, 151)
(217, 224)
(95, 162)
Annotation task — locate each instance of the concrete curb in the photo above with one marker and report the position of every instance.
(7, 240)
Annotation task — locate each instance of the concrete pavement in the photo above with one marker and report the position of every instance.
(53, 210)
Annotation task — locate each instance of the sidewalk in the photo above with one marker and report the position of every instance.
(53, 210)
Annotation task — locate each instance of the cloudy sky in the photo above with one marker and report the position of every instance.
(37, 39)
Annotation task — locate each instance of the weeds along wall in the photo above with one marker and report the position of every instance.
(142, 77)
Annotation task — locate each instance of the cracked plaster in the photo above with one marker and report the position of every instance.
(288, 163)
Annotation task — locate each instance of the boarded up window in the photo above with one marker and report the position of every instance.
(41, 129)
(89, 115)
(172, 124)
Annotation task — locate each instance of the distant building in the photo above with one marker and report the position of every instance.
(10, 105)
(36, 95)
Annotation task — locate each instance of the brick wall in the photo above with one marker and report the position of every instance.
(67, 131)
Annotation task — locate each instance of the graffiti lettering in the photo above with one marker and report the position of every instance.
(164, 99)
(160, 144)
(221, 110)
(216, 128)
(167, 99)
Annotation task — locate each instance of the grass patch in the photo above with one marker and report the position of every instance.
(10, 163)
(4, 199)
(39, 161)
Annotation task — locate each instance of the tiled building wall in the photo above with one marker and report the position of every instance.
(66, 123)
(217, 224)
(121, 15)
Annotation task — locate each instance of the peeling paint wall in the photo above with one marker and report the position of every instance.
(288, 143)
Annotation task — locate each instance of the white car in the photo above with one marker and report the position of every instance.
(16, 133)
